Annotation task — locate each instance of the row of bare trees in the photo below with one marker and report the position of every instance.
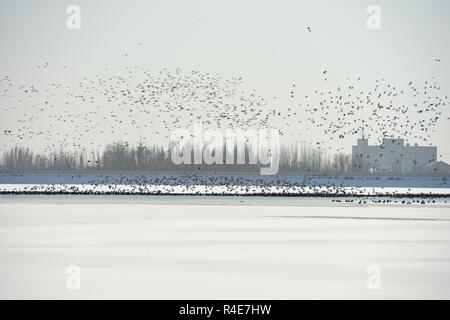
(122, 157)
(311, 159)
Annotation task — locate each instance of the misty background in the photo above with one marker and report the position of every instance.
(264, 44)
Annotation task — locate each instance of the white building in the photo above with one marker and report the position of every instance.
(392, 156)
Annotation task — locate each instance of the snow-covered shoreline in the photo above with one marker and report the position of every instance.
(221, 190)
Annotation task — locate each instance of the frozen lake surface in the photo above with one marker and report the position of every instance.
(192, 247)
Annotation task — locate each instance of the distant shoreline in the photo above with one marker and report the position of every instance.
(228, 173)
(287, 195)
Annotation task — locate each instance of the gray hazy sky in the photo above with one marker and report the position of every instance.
(265, 42)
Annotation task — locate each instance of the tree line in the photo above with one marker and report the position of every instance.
(120, 156)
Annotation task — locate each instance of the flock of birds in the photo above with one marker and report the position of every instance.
(123, 106)
(385, 110)
(154, 104)
(139, 101)
(232, 185)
